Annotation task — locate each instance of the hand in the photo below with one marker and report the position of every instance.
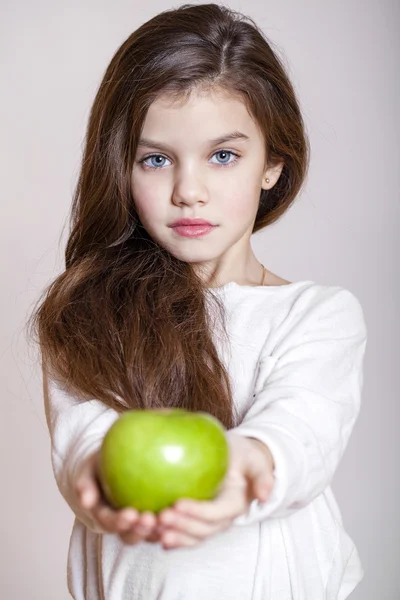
(249, 476)
(131, 526)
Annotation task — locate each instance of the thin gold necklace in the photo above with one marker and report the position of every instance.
(264, 275)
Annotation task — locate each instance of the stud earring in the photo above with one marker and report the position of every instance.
(267, 180)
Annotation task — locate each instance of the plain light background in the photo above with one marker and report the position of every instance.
(344, 60)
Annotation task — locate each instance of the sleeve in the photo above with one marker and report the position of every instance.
(76, 430)
(307, 406)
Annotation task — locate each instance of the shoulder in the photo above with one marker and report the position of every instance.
(319, 319)
(317, 298)
(330, 308)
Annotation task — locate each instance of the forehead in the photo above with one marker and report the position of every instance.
(198, 96)
(202, 115)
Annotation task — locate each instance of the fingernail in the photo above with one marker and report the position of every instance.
(86, 497)
(167, 518)
(127, 523)
(133, 518)
(263, 493)
(130, 515)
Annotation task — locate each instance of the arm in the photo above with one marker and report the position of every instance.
(76, 430)
(306, 409)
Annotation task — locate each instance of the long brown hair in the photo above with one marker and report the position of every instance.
(126, 322)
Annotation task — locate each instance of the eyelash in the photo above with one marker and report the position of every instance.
(230, 164)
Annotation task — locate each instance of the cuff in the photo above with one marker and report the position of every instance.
(289, 473)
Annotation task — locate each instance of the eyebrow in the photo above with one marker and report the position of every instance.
(227, 137)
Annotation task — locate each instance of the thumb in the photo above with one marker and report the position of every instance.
(260, 487)
(86, 484)
(259, 477)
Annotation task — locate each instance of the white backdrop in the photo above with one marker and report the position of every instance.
(344, 60)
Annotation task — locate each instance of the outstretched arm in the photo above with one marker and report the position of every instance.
(305, 410)
(76, 430)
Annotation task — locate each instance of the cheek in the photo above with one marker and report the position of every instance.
(147, 201)
(147, 208)
(242, 197)
(241, 206)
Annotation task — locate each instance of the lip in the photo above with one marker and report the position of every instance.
(193, 231)
(191, 222)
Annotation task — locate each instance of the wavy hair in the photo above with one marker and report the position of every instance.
(126, 322)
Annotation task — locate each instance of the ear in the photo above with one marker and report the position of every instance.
(272, 173)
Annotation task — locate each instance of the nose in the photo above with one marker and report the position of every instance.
(189, 189)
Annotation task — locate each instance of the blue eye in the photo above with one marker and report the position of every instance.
(227, 152)
(150, 157)
(152, 167)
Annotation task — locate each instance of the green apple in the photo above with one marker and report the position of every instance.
(151, 458)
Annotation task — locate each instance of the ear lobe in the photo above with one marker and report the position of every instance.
(273, 173)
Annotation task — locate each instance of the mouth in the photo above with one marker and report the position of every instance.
(193, 230)
(191, 222)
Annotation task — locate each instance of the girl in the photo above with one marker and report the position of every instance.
(196, 122)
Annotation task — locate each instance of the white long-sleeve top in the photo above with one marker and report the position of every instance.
(295, 357)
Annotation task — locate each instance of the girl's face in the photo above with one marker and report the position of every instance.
(180, 172)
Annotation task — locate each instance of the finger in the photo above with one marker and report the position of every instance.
(105, 516)
(88, 494)
(87, 490)
(230, 503)
(259, 471)
(145, 524)
(125, 519)
(176, 539)
(260, 486)
(145, 528)
(147, 519)
(86, 486)
(263, 489)
(191, 526)
(154, 537)
(113, 520)
(132, 539)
